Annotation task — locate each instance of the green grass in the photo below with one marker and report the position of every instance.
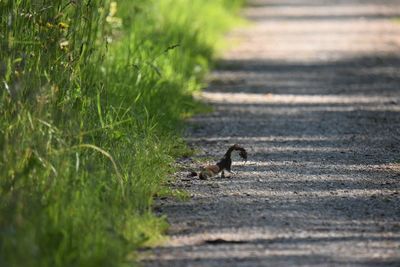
(92, 97)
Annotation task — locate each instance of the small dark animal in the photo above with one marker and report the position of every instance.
(223, 164)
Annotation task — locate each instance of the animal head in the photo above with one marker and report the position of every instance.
(202, 176)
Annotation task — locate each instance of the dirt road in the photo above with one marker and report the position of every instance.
(313, 91)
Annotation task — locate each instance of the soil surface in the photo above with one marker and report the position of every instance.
(312, 90)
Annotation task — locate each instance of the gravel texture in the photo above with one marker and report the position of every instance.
(312, 90)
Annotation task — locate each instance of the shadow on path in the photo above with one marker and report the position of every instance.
(318, 108)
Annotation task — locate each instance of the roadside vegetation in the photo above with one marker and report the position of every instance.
(92, 97)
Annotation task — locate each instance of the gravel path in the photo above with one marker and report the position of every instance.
(312, 90)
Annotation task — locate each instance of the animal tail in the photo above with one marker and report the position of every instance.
(236, 147)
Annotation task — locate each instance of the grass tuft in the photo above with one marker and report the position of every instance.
(92, 97)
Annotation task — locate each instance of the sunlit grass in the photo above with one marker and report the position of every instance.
(92, 96)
